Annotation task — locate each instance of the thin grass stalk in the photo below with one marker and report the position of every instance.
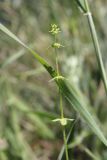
(89, 152)
(96, 45)
(65, 143)
(61, 104)
(63, 127)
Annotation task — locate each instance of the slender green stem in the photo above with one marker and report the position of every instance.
(96, 45)
(57, 66)
(63, 128)
(56, 60)
(61, 107)
(65, 144)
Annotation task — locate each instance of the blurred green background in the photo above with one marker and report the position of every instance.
(28, 101)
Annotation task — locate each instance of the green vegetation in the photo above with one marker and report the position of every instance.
(29, 104)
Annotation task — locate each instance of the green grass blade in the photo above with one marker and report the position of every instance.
(89, 153)
(13, 58)
(35, 118)
(97, 50)
(79, 139)
(69, 92)
(39, 58)
(95, 42)
(79, 105)
(81, 5)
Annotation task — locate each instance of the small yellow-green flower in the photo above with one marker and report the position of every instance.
(57, 45)
(63, 121)
(54, 29)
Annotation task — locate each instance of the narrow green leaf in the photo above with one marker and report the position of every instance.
(79, 105)
(13, 58)
(81, 5)
(89, 153)
(69, 92)
(35, 118)
(78, 139)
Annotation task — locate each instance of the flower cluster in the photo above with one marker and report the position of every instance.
(54, 29)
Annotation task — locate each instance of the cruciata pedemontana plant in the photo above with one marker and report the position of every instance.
(75, 98)
(62, 120)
